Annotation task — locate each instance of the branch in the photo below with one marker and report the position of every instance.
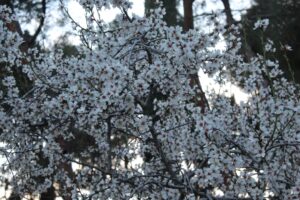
(42, 20)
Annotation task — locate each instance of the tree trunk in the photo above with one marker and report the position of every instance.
(188, 15)
(49, 194)
(188, 24)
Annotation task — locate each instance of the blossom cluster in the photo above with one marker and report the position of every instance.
(126, 111)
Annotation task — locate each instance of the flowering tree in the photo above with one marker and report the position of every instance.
(129, 113)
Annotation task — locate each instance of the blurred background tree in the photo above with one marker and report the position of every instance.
(283, 30)
(172, 17)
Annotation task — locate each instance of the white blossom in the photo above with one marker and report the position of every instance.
(127, 112)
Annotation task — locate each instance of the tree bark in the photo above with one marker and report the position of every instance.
(200, 100)
(188, 15)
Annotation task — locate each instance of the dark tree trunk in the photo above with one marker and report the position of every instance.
(188, 24)
(49, 194)
(188, 15)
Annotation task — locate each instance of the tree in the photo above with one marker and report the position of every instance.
(172, 16)
(134, 80)
(283, 31)
(24, 12)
